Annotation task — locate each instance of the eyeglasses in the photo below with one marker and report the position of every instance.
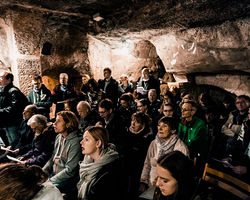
(102, 112)
(184, 110)
(168, 110)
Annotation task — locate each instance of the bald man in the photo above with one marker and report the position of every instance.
(88, 117)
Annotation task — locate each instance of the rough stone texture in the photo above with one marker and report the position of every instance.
(237, 84)
(127, 57)
(27, 68)
(189, 36)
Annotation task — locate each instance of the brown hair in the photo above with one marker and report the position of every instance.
(20, 182)
(107, 69)
(99, 133)
(69, 117)
(166, 104)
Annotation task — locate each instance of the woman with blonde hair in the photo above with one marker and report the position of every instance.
(101, 175)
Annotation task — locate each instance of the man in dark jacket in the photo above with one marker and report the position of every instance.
(109, 86)
(88, 117)
(12, 103)
(25, 136)
(147, 82)
(236, 118)
(62, 92)
(112, 119)
(40, 96)
(238, 149)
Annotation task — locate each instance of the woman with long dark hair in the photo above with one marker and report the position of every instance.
(175, 177)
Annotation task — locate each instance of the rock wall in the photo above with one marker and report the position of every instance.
(219, 49)
(34, 41)
(42, 42)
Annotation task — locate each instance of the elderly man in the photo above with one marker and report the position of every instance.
(25, 136)
(193, 131)
(62, 92)
(236, 118)
(40, 96)
(88, 117)
(12, 103)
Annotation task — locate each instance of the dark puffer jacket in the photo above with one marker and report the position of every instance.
(12, 104)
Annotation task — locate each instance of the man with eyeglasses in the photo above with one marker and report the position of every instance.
(112, 119)
(193, 131)
(25, 136)
(236, 118)
(40, 96)
(12, 103)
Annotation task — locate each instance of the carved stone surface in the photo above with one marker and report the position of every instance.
(237, 84)
(26, 69)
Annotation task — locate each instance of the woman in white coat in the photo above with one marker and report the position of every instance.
(166, 141)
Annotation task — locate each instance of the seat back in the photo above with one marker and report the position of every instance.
(227, 182)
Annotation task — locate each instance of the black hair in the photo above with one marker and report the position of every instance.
(180, 168)
(106, 103)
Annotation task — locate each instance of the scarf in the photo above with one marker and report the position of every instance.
(89, 170)
(166, 146)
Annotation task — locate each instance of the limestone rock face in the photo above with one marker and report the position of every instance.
(191, 37)
(237, 84)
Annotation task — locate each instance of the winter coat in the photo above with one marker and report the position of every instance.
(236, 120)
(42, 148)
(111, 90)
(90, 120)
(58, 96)
(110, 183)
(12, 104)
(23, 141)
(132, 149)
(43, 102)
(152, 84)
(69, 157)
(148, 174)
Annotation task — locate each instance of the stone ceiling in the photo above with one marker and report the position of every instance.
(190, 36)
(121, 16)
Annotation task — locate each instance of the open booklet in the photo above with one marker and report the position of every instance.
(141, 90)
(14, 159)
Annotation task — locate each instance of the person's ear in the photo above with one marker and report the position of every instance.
(67, 125)
(110, 111)
(98, 143)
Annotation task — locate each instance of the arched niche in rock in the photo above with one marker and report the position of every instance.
(51, 77)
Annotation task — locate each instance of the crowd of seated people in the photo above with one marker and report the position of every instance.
(111, 127)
